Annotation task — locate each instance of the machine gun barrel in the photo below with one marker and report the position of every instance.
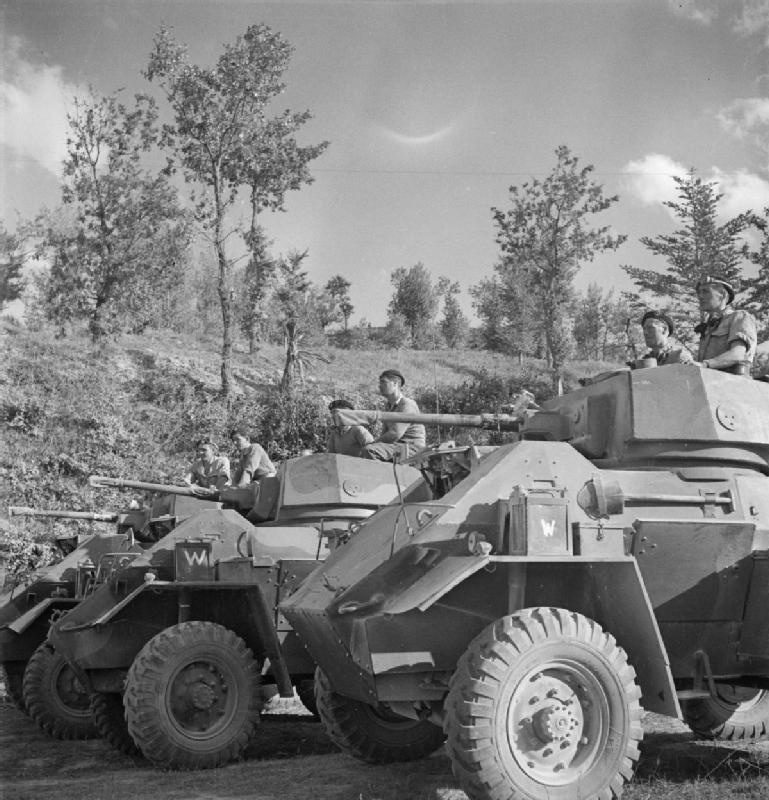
(93, 516)
(102, 482)
(501, 422)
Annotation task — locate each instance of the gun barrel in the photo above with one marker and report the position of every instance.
(93, 516)
(102, 482)
(503, 422)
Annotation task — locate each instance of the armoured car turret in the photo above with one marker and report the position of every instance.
(614, 558)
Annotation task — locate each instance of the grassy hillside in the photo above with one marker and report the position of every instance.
(134, 407)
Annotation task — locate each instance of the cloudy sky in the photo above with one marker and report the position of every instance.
(433, 109)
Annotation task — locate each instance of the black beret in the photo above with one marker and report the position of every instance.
(660, 315)
(393, 373)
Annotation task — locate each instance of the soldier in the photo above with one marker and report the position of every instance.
(254, 463)
(398, 439)
(209, 469)
(347, 440)
(728, 337)
(658, 330)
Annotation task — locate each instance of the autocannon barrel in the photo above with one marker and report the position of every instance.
(502, 422)
(93, 516)
(103, 482)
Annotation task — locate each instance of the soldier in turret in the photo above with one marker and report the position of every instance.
(347, 440)
(254, 463)
(398, 439)
(209, 470)
(658, 330)
(728, 337)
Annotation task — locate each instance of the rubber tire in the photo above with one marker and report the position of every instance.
(499, 667)
(152, 723)
(14, 682)
(47, 706)
(109, 718)
(370, 734)
(729, 720)
(305, 690)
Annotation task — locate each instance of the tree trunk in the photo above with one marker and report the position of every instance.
(225, 294)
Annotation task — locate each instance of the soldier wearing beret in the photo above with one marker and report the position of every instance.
(658, 331)
(728, 337)
(209, 470)
(398, 439)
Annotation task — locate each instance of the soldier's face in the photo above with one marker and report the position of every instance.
(711, 298)
(388, 386)
(240, 442)
(205, 453)
(655, 332)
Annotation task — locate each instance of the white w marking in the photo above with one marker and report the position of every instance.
(548, 527)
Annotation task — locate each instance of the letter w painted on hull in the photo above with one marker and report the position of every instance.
(548, 527)
(195, 558)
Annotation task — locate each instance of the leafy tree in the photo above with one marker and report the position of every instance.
(12, 258)
(699, 247)
(258, 278)
(454, 324)
(124, 244)
(297, 302)
(339, 288)
(545, 238)
(397, 332)
(602, 325)
(491, 311)
(415, 299)
(758, 287)
(224, 142)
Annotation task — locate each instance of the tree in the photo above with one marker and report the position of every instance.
(296, 301)
(224, 142)
(12, 257)
(454, 324)
(545, 238)
(339, 288)
(258, 277)
(758, 288)
(415, 299)
(700, 247)
(124, 244)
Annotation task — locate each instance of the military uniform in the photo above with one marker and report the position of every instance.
(349, 442)
(213, 475)
(670, 354)
(719, 333)
(254, 463)
(409, 436)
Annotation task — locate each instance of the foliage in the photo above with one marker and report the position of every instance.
(224, 141)
(544, 238)
(601, 325)
(397, 332)
(338, 288)
(700, 247)
(454, 325)
(758, 288)
(415, 299)
(258, 280)
(11, 263)
(121, 250)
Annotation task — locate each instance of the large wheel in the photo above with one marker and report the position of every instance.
(373, 733)
(736, 712)
(192, 696)
(14, 682)
(543, 704)
(55, 698)
(109, 718)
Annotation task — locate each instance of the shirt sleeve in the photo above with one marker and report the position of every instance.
(743, 329)
(362, 435)
(222, 472)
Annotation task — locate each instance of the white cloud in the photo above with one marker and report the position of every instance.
(746, 118)
(754, 19)
(34, 100)
(650, 180)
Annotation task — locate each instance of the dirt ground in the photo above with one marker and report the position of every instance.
(292, 759)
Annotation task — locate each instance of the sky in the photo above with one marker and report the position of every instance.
(432, 110)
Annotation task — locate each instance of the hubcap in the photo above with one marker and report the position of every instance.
(557, 722)
(199, 699)
(70, 692)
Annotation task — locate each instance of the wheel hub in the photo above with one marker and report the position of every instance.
(199, 698)
(556, 722)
